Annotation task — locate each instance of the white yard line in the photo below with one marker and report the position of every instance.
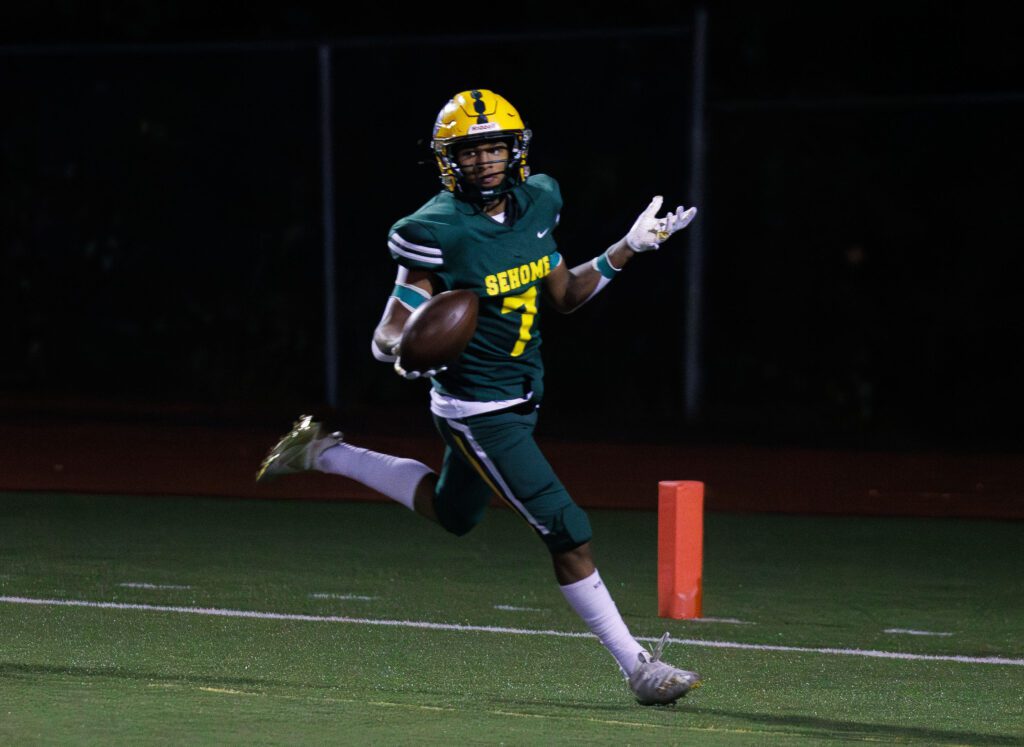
(911, 631)
(357, 597)
(423, 625)
(722, 620)
(144, 585)
(513, 608)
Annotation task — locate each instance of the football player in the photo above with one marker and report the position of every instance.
(491, 229)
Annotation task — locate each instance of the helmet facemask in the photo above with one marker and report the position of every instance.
(455, 178)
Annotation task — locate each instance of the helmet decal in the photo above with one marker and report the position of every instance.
(479, 107)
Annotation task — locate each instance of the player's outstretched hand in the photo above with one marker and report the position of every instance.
(649, 231)
(411, 375)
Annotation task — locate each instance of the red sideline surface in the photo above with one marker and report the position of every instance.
(148, 459)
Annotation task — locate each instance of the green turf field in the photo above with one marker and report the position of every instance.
(804, 598)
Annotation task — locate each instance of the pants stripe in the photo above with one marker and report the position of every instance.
(485, 477)
(477, 466)
(486, 467)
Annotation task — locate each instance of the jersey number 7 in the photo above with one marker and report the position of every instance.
(525, 302)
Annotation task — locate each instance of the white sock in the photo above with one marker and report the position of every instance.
(393, 476)
(594, 604)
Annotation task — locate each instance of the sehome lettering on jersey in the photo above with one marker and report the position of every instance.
(516, 277)
(504, 265)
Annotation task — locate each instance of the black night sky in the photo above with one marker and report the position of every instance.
(162, 225)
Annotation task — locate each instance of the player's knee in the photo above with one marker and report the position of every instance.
(457, 525)
(567, 531)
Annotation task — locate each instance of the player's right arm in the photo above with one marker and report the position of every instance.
(412, 287)
(420, 259)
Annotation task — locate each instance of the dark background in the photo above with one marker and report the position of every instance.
(161, 233)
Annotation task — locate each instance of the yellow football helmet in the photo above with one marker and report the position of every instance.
(473, 116)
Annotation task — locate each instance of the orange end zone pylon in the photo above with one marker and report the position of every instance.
(680, 548)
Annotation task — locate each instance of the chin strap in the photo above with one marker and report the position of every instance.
(484, 199)
(476, 196)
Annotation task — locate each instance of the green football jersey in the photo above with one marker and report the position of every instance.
(503, 263)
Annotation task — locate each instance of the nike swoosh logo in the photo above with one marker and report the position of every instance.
(541, 234)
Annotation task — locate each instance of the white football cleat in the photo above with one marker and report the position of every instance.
(654, 682)
(297, 450)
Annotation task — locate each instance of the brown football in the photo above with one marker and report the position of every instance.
(439, 330)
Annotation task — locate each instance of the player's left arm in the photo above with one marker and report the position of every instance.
(567, 289)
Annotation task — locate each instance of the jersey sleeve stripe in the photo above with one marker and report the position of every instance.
(555, 259)
(406, 244)
(410, 255)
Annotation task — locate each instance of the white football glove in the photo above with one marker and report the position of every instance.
(650, 232)
(394, 357)
(412, 375)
